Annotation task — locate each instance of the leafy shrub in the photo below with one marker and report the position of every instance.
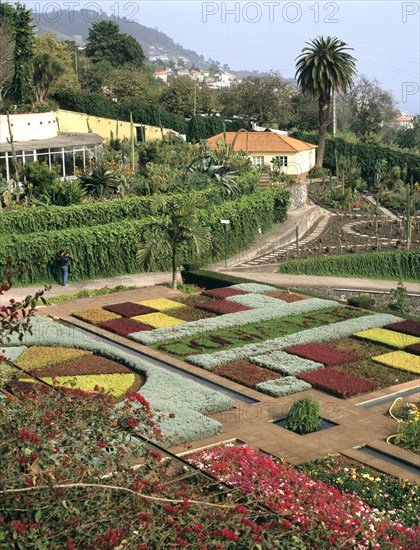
(364, 302)
(409, 436)
(62, 193)
(303, 417)
(399, 302)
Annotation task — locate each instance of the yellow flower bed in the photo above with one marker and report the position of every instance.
(95, 315)
(158, 320)
(41, 357)
(114, 384)
(388, 337)
(400, 360)
(161, 304)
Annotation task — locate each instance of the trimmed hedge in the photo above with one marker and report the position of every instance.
(110, 249)
(397, 265)
(209, 279)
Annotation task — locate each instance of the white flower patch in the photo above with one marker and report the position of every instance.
(255, 288)
(324, 333)
(278, 310)
(283, 386)
(280, 361)
(167, 392)
(255, 301)
(11, 354)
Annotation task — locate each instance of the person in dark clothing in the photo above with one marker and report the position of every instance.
(64, 264)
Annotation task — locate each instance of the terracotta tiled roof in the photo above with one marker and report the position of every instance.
(404, 118)
(262, 142)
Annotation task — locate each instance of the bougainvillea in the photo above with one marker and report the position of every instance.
(124, 327)
(324, 354)
(337, 383)
(222, 307)
(129, 309)
(245, 373)
(406, 327)
(400, 360)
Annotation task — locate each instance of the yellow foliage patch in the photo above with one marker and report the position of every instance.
(158, 320)
(400, 360)
(162, 304)
(95, 315)
(41, 357)
(388, 337)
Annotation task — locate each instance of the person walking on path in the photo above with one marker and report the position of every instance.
(64, 264)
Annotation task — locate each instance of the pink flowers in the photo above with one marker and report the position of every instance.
(337, 383)
(321, 353)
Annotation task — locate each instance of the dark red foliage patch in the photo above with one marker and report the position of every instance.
(288, 297)
(224, 292)
(245, 373)
(406, 327)
(129, 309)
(91, 364)
(337, 383)
(414, 348)
(321, 353)
(19, 387)
(124, 327)
(222, 307)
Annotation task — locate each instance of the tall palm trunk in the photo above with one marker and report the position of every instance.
(174, 267)
(324, 115)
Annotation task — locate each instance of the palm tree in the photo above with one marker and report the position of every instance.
(322, 69)
(175, 226)
(47, 69)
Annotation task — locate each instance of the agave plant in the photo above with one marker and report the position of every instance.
(101, 182)
(62, 193)
(222, 174)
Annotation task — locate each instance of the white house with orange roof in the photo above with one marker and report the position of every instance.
(295, 157)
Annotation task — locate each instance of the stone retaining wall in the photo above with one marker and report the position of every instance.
(299, 195)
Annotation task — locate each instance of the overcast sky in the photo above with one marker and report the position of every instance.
(269, 34)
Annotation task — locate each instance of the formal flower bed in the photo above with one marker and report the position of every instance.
(414, 348)
(321, 334)
(124, 327)
(245, 373)
(161, 304)
(95, 315)
(288, 297)
(398, 497)
(400, 360)
(322, 513)
(282, 362)
(280, 387)
(190, 314)
(191, 403)
(222, 293)
(322, 353)
(255, 301)
(388, 337)
(158, 320)
(221, 307)
(129, 309)
(254, 288)
(41, 357)
(337, 383)
(236, 320)
(406, 327)
(90, 364)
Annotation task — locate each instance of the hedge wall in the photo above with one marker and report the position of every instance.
(51, 218)
(367, 155)
(210, 279)
(109, 249)
(398, 265)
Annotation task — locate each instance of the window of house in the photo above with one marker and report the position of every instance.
(281, 161)
(258, 161)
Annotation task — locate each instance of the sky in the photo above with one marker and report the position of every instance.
(268, 35)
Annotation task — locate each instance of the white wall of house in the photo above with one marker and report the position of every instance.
(29, 126)
(294, 163)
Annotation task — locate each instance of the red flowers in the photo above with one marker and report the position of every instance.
(134, 396)
(321, 353)
(27, 436)
(133, 422)
(337, 383)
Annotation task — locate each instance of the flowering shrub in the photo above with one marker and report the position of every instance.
(236, 320)
(283, 386)
(288, 297)
(161, 304)
(129, 309)
(222, 293)
(388, 337)
(255, 301)
(400, 360)
(40, 357)
(221, 307)
(124, 327)
(245, 373)
(323, 354)
(406, 327)
(390, 494)
(325, 517)
(320, 334)
(338, 383)
(158, 320)
(291, 365)
(95, 316)
(254, 288)
(414, 348)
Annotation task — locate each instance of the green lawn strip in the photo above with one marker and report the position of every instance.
(366, 368)
(211, 342)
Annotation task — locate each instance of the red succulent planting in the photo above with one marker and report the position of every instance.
(222, 307)
(321, 353)
(414, 348)
(224, 292)
(245, 373)
(337, 383)
(124, 327)
(129, 309)
(406, 327)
